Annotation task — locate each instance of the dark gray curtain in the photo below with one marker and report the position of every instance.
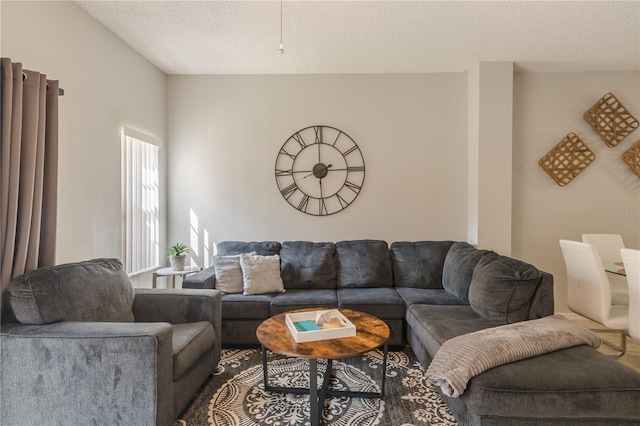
(29, 171)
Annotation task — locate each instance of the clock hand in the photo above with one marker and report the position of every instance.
(324, 169)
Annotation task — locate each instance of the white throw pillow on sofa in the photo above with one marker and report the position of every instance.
(228, 274)
(261, 274)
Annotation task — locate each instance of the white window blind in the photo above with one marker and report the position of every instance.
(141, 204)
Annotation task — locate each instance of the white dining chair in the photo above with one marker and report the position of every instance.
(631, 260)
(608, 246)
(589, 292)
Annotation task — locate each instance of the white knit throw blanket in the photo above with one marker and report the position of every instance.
(463, 357)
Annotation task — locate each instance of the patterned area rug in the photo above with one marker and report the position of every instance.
(235, 395)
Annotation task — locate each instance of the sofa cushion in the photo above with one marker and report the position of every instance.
(576, 385)
(261, 274)
(383, 303)
(305, 264)
(93, 290)
(263, 248)
(435, 324)
(303, 298)
(190, 341)
(427, 296)
(363, 263)
(458, 267)
(502, 287)
(228, 273)
(418, 264)
(240, 306)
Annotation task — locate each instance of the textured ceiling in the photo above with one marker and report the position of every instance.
(242, 37)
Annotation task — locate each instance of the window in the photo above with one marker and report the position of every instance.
(141, 202)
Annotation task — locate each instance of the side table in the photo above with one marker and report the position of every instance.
(168, 272)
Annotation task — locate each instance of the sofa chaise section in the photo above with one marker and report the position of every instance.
(572, 386)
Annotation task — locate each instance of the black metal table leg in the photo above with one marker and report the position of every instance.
(313, 392)
(317, 396)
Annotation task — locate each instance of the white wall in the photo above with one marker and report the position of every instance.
(547, 106)
(226, 131)
(490, 133)
(107, 85)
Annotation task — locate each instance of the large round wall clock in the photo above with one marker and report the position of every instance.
(320, 170)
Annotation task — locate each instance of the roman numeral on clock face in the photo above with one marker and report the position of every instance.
(303, 203)
(350, 150)
(298, 138)
(352, 186)
(284, 172)
(318, 130)
(289, 190)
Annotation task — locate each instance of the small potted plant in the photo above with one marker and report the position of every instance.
(177, 256)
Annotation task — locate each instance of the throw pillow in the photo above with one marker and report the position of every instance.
(261, 274)
(228, 274)
(458, 267)
(502, 287)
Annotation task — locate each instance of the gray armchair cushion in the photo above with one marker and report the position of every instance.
(263, 248)
(306, 264)
(419, 264)
(363, 264)
(457, 271)
(502, 287)
(93, 290)
(190, 342)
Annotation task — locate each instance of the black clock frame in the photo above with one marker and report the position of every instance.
(291, 178)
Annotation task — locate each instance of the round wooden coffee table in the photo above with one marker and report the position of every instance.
(371, 333)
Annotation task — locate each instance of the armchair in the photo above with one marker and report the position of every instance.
(80, 346)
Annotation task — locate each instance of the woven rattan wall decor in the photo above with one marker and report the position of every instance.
(610, 119)
(567, 159)
(631, 157)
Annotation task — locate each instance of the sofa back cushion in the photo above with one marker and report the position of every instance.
(363, 263)
(305, 264)
(502, 288)
(418, 264)
(458, 267)
(262, 248)
(93, 290)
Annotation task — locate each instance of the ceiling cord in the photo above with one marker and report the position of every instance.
(281, 48)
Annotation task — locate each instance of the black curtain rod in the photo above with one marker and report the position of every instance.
(60, 89)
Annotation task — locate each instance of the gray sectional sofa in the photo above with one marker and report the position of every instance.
(429, 292)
